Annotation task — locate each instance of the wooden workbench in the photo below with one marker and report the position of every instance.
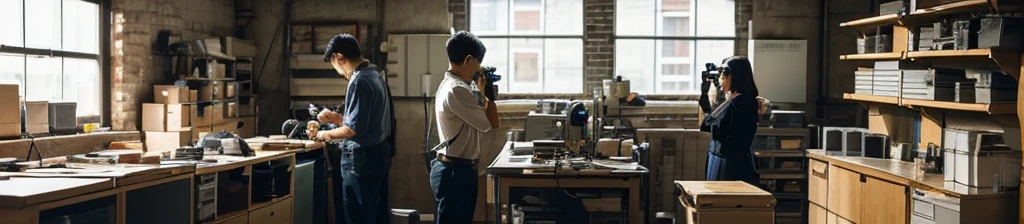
(882, 194)
(139, 193)
(508, 171)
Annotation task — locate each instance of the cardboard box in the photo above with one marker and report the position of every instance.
(232, 109)
(239, 47)
(726, 202)
(212, 114)
(220, 70)
(193, 95)
(169, 94)
(37, 119)
(167, 141)
(10, 111)
(229, 89)
(165, 117)
(212, 91)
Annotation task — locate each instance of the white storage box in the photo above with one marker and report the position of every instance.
(843, 141)
(987, 168)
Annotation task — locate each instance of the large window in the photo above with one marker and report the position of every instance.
(537, 45)
(51, 49)
(661, 45)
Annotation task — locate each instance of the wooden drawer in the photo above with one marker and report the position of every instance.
(237, 220)
(277, 213)
(817, 183)
(845, 193)
(816, 214)
(883, 202)
(831, 218)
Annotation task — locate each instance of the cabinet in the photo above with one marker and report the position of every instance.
(845, 193)
(883, 202)
(280, 212)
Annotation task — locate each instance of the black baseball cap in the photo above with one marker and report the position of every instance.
(346, 44)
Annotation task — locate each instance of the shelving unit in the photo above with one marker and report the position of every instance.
(312, 79)
(770, 158)
(886, 115)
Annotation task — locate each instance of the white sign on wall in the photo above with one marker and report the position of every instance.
(780, 69)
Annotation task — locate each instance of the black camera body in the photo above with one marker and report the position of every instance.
(490, 89)
(712, 71)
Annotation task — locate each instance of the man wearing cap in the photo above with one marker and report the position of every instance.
(463, 115)
(367, 129)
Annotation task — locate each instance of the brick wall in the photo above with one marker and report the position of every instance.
(598, 42)
(744, 12)
(459, 14)
(136, 23)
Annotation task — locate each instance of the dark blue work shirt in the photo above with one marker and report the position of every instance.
(367, 107)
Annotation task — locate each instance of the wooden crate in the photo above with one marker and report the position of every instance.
(675, 154)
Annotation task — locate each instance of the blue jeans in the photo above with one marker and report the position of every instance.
(454, 187)
(364, 173)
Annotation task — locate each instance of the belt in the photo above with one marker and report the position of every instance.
(455, 160)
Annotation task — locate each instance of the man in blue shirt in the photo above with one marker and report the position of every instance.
(367, 127)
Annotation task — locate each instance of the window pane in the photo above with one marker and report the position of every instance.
(675, 48)
(635, 17)
(676, 69)
(489, 17)
(12, 71)
(44, 79)
(710, 51)
(563, 66)
(635, 61)
(43, 19)
(12, 25)
(81, 26)
(497, 56)
(716, 18)
(82, 85)
(527, 20)
(675, 5)
(563, 17)
(522, 72)
(676, 26)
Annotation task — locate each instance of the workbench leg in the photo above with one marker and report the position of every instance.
(498, 193)
(1020, 118)
(635, 216)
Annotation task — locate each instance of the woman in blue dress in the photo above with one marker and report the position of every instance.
(732, 123)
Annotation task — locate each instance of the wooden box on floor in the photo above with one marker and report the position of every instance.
(709, 202)
(676, 154)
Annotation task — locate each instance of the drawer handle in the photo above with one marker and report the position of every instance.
(271, 213)
(818, 174)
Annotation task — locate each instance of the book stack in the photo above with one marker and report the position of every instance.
(932, 84)
(862, 81)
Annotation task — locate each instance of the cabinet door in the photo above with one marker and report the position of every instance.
(816, 214)
(845, 193)
(883, 202)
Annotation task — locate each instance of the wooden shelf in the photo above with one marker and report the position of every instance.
(779, 153)
(921, 14)
(205, 79)
(997, 108)
(1007, 61)
(785, 176)
(871, 98)
(873, 56)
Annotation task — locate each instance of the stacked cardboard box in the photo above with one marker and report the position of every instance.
(10, 112)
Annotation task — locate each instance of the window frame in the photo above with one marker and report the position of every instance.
(659, 41)
(103, 8)
(539, 35)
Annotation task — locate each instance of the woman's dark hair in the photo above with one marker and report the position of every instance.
(742, 75)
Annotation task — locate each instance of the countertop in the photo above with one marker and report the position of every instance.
(902, 173)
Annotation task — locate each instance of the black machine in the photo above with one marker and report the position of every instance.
(295, 129)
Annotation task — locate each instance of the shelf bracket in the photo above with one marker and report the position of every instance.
(1009, 62)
